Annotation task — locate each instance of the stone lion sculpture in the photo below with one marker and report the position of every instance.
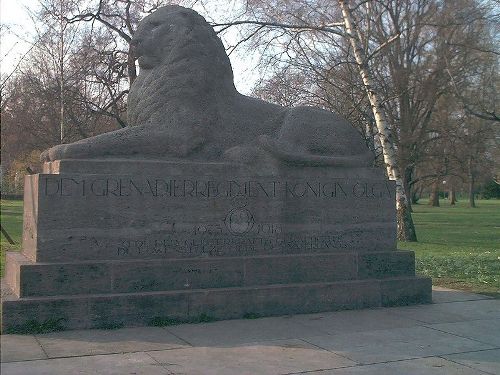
(184, 105)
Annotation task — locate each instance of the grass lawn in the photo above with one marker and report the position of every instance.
(458, 247)
(12, 221)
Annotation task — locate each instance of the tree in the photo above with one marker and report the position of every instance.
(406, 228)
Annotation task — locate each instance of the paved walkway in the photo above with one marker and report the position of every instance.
(458, 335)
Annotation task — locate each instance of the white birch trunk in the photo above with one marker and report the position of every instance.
(61, 72)
(406, 229)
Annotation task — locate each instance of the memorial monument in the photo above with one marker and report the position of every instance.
(210, 204)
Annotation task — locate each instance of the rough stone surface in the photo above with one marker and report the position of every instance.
(111, 276)
(218, 212)
(136, 309)
(183, 104)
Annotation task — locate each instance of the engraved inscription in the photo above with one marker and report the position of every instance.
(239, 221)
(176, 244)
(205, 189)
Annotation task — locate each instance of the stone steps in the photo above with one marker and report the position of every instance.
(145, 308)
(30, 279)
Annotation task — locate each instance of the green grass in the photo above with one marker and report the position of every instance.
(11, 217)
(458, 247)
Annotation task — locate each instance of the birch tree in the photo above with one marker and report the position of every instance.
(406, 228)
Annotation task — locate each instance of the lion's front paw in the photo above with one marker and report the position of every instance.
(53, 153)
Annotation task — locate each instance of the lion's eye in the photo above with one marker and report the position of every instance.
(155, 24)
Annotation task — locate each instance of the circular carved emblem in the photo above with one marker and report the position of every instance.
(239, 221)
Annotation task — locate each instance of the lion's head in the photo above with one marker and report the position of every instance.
(181, 60)
(180, 37)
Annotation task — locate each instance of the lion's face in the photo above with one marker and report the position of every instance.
(143, 41)
(169, 35)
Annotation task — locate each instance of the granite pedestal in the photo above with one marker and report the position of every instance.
(121, 242)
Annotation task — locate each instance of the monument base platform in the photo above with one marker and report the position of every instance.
(112, 293)
(171, 307)
(112, 243)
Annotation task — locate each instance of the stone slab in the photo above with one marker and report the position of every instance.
(20, 348)
(139, 166)
(395, 292)
(99, 341)
(11, 281)
(451, 312)
(144, 167)
(444, 295)
(114, 364)
(487, 331)
(30, 215)
(46, 279)
(220, 212)
(270, 358)
(134, 309)
(484, 360)
(382, 264)
(86, 277)
(420, 366)
(18, 313)
(244, 331)
(395, 344)
(339, 322)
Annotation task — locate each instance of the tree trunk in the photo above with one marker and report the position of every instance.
(434, 196)
(452, 196)
(470, 173)
(472, 202)
(416, 194)
(406, 228)
(407, 184)
(61, 75)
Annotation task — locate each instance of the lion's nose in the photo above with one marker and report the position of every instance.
(134, 47)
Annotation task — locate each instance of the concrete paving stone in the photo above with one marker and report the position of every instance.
(395, 344)
(267, 357)
(487, 331)
(485, 360)
(420, 366)
(98, 341)
(231, 332)
(20, 348)
(443, 295)
(114, 364)
(450, 312)
(354, 321)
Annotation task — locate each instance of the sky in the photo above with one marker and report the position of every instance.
(18, 32)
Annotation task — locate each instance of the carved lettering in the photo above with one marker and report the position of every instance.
(214, 189)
